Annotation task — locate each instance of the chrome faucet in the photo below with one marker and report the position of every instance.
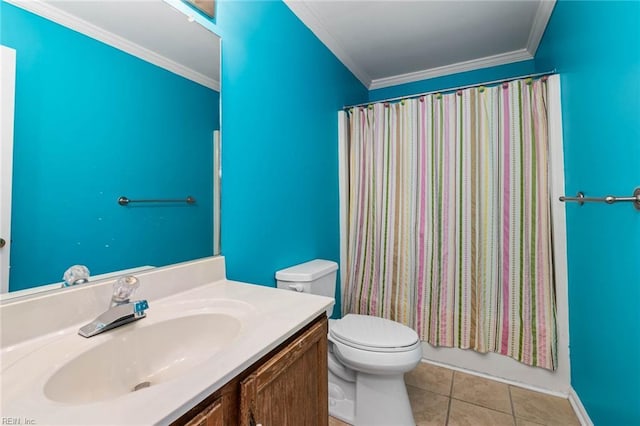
(121, 310)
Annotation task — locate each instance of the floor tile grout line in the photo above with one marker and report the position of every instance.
(475, 404)
(446, 420)
(453, 377)
(430, 390)
(513, 409)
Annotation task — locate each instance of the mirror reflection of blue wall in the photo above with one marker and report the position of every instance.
(93, 123)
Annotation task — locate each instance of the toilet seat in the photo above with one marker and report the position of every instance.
(374, 334)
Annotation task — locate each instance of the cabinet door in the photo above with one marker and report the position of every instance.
(213, 415)
(291, 388)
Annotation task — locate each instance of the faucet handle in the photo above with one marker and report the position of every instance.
(76, 274)
(124, 288)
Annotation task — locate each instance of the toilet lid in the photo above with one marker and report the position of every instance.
(372, 332)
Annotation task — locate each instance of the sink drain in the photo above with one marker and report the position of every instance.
(141, 385)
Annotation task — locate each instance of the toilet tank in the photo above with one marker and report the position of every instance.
(316, 277)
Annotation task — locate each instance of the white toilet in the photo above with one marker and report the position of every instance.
(368, 356)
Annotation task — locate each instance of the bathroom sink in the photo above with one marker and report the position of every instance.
(139, 357)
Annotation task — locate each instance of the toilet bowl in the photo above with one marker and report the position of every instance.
(367, 355)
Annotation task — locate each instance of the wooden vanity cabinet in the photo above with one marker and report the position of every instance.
(288, 386)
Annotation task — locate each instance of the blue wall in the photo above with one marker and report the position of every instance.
(91, 124)
(595, 47)
(281, 89)
(454, 80)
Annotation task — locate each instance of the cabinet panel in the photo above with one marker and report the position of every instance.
(213, 415)
(291, 388)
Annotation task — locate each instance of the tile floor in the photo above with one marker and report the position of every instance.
(443, 397)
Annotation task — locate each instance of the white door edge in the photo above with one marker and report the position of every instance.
(7, 106)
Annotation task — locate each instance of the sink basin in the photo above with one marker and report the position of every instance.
(141, 357)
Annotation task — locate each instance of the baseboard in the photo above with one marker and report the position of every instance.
(579, 409)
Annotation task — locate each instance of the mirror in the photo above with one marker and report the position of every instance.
(130, 108)
(206, 6)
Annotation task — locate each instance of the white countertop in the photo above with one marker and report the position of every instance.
(268, 316)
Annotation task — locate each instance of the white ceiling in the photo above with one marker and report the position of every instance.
(152, 30)
(385, 43)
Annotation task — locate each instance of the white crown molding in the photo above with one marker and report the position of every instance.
(578, 408)
(317, 27)
(540, 21)
(48, 11)
(474, 64)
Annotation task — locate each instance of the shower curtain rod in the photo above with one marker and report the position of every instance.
(452, 89)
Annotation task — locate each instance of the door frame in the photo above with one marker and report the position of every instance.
(7, 108)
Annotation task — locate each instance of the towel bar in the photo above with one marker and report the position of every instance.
(124, 201)
(580, 198)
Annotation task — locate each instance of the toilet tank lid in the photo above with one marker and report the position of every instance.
(307, 271)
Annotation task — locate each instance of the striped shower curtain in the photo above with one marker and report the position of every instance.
(450, 219)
